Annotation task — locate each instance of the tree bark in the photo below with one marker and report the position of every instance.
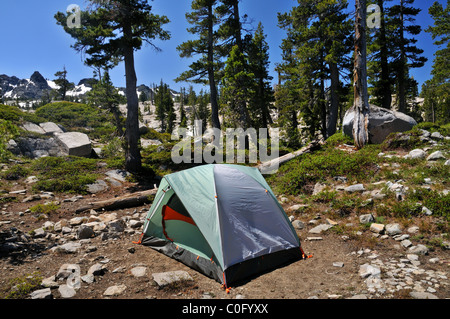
(126, 201)
(361, 100)
(133, 161)
(211, 74)
(334, 105)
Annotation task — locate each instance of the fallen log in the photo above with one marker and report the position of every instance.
(126, 201)
(272, 166)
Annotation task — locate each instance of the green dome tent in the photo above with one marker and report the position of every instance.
(222, 220)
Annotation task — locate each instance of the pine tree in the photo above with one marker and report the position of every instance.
(165, 108)
(64, 84)
(204, 70)
(113, 30)
(237, 83)
(316, 48)
(405, 53)
(436, 91)
(263, 95)
(379, 55)
(106, 96)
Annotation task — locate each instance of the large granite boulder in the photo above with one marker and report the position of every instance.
(382, 122)
(75, 143)
(51, 128)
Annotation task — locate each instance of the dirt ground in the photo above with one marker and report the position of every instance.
(314, 277)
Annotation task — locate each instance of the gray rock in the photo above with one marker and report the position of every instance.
(42, 294)
(97, 187)
(319, 229)
(115, 290)
(117, 225)
(85, 232)
(67, 291)
(422, 295)
(34, 128)
(166, 278)
(50, 128)
(366, 218)
(426, 211)
(435, 156)
(75, 143)
(367, 270)
(382, 122)
(139, 271)
(447, 163)
(419, 250)
(416, 154)
(393, 229)
(355, 188)
(298, 224)
(437, 136)
(118, 174)
(377, 228)
(49, 282)
(69, 248)
(97, 270)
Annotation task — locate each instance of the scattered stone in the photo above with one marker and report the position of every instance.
(338, 264)
(97, 187)
(85, 232)
(419, 250)
(437, 136)
(422, 295)
(314, 238)
(69, 248)
(355, 188)
(435, 156)
(166, 278)
(416, 154)
(298, 224)
(118, 174)
(367, 270)
(139, 271)
(426, 211)
(115, 290)
(377, 228)
(366, 219)
(319, 229)
(45, 293)
(393, 229)
(97, 270)
(67, 291)
(49, 282)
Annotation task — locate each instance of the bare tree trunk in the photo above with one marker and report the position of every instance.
(361, 102)
(334, 105)
(212, 81)
(133, 156)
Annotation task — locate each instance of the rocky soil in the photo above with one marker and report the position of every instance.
(91, 255)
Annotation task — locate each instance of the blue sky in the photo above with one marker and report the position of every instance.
(31, 40)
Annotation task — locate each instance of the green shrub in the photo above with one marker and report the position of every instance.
(17, 116)
(70, 174)
(45, 208)
(7, 131)
(299, 175)
(21, 287)
(15, 172)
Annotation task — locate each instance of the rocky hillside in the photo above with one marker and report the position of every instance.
(34, 88)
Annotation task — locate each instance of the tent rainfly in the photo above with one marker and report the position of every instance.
(222, 220)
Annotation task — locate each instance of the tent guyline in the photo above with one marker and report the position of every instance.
(222, 220)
